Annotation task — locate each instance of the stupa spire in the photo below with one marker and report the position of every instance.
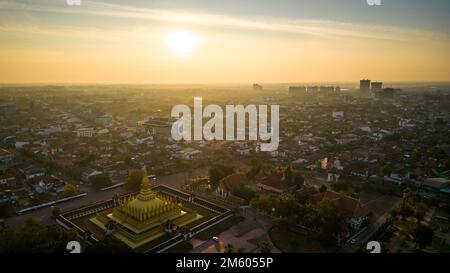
(146, 192)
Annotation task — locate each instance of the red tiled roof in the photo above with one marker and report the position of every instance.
(232, 181)
(268, 188)
(7, 176)
(277, 181)
(350, 207)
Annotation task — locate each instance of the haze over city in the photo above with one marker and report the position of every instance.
(225, 126)
(264, 41)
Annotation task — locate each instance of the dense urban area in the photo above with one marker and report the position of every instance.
(357, 162)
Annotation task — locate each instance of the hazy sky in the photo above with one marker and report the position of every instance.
(232, 41)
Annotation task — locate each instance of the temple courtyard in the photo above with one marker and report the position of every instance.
(155, 219)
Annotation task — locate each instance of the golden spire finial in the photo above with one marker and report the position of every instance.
(145, 182)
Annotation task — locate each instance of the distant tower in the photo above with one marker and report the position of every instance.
(364, 86)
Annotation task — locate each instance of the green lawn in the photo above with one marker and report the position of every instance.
(219, 228)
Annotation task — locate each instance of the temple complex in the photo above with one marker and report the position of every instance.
(140, 219)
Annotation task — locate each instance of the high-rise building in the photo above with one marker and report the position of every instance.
(377, 86)
(326, 89)
(313, 89)
(386, 93)
(295, 90)
(364, 86)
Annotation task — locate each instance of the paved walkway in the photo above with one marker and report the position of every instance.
(247, 234)
(44, 214)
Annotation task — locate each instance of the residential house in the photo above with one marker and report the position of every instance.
(7, 181)
(86, 175)
(31, 172)
(433, 185)
(85, 132)
(49, 183)
(397, 179)
(226, 186)
(352, 209)
(6, 157)
(277, 183)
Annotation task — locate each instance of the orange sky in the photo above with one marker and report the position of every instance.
(228, 49)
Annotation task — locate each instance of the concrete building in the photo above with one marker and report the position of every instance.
(377, 86)
(337, 114)
(364, 86)
(6, 158)
(85, 132)
(295, 90)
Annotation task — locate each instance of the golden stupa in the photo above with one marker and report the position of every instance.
(140, 219)
(146, 209)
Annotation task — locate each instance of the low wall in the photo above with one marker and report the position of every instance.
(52, 203)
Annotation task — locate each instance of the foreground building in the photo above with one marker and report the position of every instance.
(352, 209)
(152, 220)
(138, 220)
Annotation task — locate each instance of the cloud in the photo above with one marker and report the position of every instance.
(310, 28)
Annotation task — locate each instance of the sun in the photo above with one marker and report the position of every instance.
(181, 42)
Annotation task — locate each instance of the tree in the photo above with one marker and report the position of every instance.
(218, 171)
(341, 186)
(396, 137)
(288, 206)
(69, 189)
(329, 220)
(134, 180)
(108, 245)
(406, 211)
(33, 237)
(265, 247)
(100, 181)
(385, 170)
(6, 210)
(240, 250)
(420, 210)
(423, 236)
(229, 248)
(245, 193)
(294, 176)
(447, 164)
(283, 224)
(256, 167)
(56, 211)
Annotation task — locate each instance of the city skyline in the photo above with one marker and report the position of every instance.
(191, 42)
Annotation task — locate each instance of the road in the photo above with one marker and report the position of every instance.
(178, 179)
(44, 214)
(367, 233)
(248, 234)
